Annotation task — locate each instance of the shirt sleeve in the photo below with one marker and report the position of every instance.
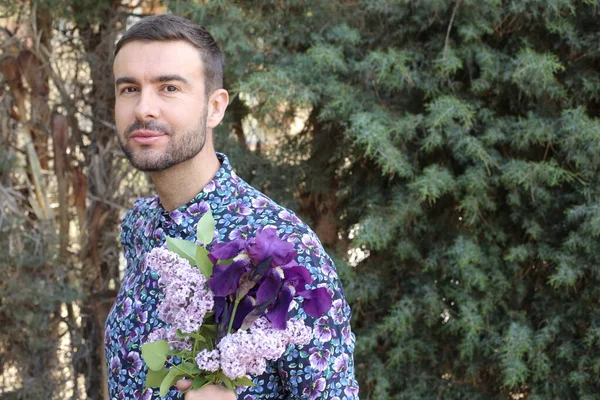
(324, 368)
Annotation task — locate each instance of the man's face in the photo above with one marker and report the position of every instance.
(160, 107)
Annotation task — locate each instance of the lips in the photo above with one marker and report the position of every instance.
(146, 137)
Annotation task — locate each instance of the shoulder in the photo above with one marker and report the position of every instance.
(263, 206)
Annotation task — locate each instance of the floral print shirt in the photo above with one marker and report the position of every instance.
(323, 369)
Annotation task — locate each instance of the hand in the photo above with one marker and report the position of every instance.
(208, 392)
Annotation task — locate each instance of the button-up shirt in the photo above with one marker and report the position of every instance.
(323, 369)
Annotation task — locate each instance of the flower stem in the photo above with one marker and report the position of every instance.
(176, 366)
(235, 306)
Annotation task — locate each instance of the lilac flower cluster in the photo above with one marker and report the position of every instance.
(246, 352)
(187, 296)
(250, 291)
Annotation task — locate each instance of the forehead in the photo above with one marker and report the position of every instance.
(144, 60)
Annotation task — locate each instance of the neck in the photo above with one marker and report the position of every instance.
(179, 184)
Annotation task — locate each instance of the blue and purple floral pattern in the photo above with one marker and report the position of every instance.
(323, 369)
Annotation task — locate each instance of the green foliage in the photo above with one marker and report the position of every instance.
(33, 288)
(464, 154)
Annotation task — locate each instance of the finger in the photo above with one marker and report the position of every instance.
(183, 384)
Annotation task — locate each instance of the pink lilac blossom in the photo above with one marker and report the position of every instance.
(246, 352)
(156, 335)
(297, 332)
(208, 360)
(170, 335)
(187, 297)
(237, 351)
(177, 343)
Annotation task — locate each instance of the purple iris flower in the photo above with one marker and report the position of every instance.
(246, 305)
(267, 244)
(270, 287)
(316, 301)
(269, 277)
(278, 314)
(228, 250)
(225, 279)
(298, 276)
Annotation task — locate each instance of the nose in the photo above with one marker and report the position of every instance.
(147, 107)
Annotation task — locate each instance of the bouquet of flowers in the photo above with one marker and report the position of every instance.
(226, 310)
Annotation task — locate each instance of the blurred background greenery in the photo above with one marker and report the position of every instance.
(446, 152)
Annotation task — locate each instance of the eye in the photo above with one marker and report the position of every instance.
(171, 89)
(129, 89)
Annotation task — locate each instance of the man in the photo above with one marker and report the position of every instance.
(169, 98)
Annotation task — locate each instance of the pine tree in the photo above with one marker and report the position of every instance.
(452, 148)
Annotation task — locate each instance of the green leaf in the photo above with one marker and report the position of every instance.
(198, 382)
(190, 368)
(199, 337)
(244, 381)
(181, 335)
(155, 378)
(183, 248)
(205, 228)
(155, 354)
(203, 262)
(211, 378)
(226, 381)
(170, 379)
(211, 328)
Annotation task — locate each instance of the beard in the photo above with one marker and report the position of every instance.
(182, 146)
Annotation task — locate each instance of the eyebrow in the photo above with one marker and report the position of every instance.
(159, 79)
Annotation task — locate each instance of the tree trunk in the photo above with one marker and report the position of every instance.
(102, 223)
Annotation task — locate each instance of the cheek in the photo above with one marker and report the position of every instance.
(122, 116)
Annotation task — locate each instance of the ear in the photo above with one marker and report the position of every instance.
(217, 104)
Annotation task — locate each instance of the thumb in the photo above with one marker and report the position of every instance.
(183, 384)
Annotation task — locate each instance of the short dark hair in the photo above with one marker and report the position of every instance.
(167, 27)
